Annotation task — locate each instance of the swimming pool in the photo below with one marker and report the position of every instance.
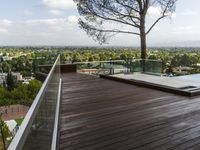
(192, 77)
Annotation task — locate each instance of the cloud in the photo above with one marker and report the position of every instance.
(56, 31)
(183, 31)
(189, 13)
(26, 12)
(56, 12)
(154, 11)
(59, 4)
(173, 15)
(56, 23)
(73, 19)
(156, 28)
(3, 30)
(4, 25)
(157, 11)
(188, 28)
(49, 26)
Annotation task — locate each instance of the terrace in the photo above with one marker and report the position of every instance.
(79, 111)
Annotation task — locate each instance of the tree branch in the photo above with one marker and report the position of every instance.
(115, 31)
(155, 24)
(125, 16)
(111, 19)
(163, 16)
(127, 6)
(135, 23)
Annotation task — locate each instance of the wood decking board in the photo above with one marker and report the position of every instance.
(109, 115)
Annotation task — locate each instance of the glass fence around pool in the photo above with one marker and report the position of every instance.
(148, 66)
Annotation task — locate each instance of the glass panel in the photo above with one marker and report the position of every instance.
(120, 66)
(136, 65)
(153, 66)
(38, 125)
(41, 132)
(102, 67)
(146, 66)
(94, 67)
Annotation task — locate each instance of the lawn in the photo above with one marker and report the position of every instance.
(19, 121)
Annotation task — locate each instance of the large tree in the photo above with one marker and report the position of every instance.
(99, 17)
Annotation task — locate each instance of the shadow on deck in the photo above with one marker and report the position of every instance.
(103, 114)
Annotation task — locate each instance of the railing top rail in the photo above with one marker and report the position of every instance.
(156, 60)
(56, 121)
(90, 62)
(87, 62)
(19, 139)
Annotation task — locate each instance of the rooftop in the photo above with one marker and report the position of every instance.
(89, 112)
(102, 114)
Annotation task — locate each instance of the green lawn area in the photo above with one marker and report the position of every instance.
(19, 121)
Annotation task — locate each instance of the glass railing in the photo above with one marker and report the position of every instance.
(147, 66)
(39, 128)
(42, 60)
(102, 67)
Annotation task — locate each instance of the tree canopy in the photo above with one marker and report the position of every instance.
(102, 19)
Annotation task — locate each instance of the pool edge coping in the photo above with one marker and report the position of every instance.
(153, 86)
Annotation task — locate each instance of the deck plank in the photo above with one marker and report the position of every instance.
(108, 115)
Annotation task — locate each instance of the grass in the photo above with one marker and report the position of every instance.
(19, 121)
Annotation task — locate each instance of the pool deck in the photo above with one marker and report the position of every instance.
(175, 82)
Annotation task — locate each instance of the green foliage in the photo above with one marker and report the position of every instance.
(5, 129)
(22, 94)
(25, 93)
(5, 97)
(7, 135)
(26, 60)
(19, 121)
(10, 81)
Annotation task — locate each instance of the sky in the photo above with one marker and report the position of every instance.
(54, 22)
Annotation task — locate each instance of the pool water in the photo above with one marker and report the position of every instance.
(193, 77)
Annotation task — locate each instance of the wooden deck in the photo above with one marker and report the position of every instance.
(100, 114)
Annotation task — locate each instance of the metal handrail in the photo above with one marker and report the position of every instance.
(108, 61)
(77, 63)
(20, 137)
(55, 131)
(153, 60)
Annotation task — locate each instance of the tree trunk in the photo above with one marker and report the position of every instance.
(143, 46)
(143, 42)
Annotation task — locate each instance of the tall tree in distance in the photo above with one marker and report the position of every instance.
(99, 18)
(10, 81)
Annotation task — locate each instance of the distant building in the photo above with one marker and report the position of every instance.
(26, 80)
(3, 78)
(6, 58)
(17, 77)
